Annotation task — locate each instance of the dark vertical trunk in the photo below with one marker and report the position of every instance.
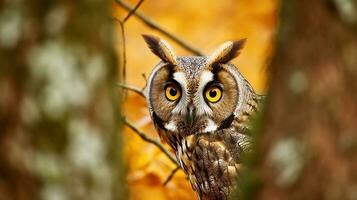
(307, 145)
(58, 113)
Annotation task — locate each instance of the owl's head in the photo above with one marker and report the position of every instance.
(195, 94)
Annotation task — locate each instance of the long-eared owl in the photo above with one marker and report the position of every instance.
(200, 106)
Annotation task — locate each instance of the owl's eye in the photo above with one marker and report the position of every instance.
(213, 94)
(172, 92)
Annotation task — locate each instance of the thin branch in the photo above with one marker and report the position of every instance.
(133, 11)
(122, 32)
(155, 26)
(173, 172)
(131, 88)
(150, 140)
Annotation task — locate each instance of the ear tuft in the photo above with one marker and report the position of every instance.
(161, 48)
(226, 52)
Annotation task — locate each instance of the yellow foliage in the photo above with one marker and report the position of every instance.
(205, 25)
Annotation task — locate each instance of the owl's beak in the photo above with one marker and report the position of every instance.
(191, 115)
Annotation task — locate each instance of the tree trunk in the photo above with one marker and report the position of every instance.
(307, 145)
(58, 113)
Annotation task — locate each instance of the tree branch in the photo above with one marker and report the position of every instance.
(173, 172)
(131, 88)
(150, 140)
(155, 26)
(132, 11)
(122, 32)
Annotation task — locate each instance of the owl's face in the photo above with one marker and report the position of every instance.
(197, 94)
(191, 97)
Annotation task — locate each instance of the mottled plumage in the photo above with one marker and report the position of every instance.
(200, 106)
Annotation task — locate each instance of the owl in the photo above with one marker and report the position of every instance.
(200, 106)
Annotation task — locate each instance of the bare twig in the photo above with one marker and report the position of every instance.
(155, 26)
(173, 172)
(133, 11)
(150, 140)
(131, 88)
(122, 32)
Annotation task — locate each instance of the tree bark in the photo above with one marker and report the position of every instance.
(307, 135)
(58, 108)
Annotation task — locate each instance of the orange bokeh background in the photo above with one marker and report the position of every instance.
(204, 25)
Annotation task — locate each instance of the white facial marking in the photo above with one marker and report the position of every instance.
(211, 126)
(206, 77)
(180, 78)
(171, 126)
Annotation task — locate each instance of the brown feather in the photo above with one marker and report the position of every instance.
(226, 52)
(160, 48)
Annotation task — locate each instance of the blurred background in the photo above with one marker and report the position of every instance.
(59, 133)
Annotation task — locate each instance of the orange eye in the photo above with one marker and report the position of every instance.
(172, 92)
(213, 94)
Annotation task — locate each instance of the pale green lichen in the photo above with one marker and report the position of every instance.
(347, 10)
(67, 85)
(288, 158)
(68, 76)
(86, 153)
(86, 148)
(85, 156)
(54, 192)
(49, 166)
(298, 82)
(56, 65)
(95, 69)
(56, 20)
(29, 110)
(11, 22)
